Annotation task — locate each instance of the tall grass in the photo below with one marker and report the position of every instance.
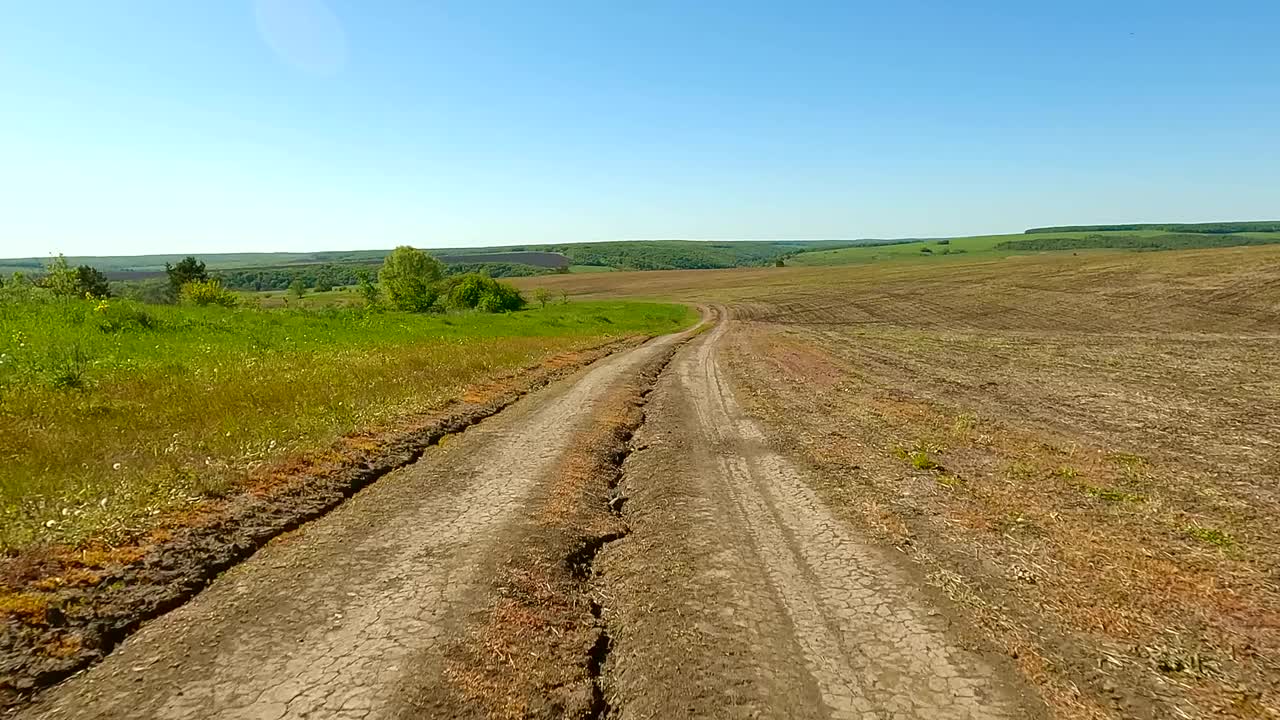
(112, 410)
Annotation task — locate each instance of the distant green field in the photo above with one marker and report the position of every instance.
(625, 254)
(590, 268)
(1022, 243)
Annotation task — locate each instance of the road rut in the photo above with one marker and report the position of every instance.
(739, 595)
(340, 618)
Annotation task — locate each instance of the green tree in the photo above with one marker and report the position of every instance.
(368, 291)
(92, 282)
(298, 288)
(61, 279)
(187, 270)
(409, 277)
(542, 295)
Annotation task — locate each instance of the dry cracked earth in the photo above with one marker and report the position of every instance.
(731, 591)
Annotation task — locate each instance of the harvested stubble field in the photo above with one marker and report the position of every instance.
(1081, 450)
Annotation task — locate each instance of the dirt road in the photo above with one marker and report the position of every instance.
(738, 595)
(735, 594)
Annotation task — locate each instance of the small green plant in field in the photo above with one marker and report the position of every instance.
(1066, 472)
(1211, 536)
(918, 457)
(950, 480)
(1111, 494)
(964, 424)
(67, 367)
(1127, 459)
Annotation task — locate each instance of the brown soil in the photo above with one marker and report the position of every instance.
(535, 645)
(1101, 501)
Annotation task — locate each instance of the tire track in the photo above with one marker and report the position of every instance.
(332, 620)
(781, 613)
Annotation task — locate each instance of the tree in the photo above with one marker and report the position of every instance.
(408, 276)
(368, 291)
(188, 270)
(92, 282)
(60, 279)
(542, 295)
(780, 262)
(298, 288)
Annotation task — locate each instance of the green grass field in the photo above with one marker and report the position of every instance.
(590, 268)
(110, 411)
(1023, 243)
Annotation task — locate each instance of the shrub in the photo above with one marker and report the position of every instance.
(409, 278)
(543, 296)
(483, 293)
(61, 279)
(20, 289)
(119, 316)
(208, 292)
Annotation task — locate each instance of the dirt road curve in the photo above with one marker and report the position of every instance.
(735, 594)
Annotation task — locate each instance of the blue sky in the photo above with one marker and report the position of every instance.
(142, 126)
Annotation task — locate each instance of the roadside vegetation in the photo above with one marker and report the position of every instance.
(112, 410)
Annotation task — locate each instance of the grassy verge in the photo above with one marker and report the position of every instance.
(113, 412)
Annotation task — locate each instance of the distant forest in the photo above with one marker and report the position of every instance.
(1218, 228)
(1167, 241)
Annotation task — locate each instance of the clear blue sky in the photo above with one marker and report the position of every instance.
(137, 126)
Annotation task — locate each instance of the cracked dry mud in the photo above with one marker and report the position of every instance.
(736, 594)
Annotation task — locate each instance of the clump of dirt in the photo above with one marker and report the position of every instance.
(63, 608)
(539, 646)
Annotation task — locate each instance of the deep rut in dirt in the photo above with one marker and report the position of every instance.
(539, 646)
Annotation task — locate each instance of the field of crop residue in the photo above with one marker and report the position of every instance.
(1081, 450)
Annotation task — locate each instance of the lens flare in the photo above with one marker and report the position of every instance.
(304, 33)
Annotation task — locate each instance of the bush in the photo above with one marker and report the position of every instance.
(20, 289)
(409, 277)
(119, 316)
(483, 293)
(208, 292)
